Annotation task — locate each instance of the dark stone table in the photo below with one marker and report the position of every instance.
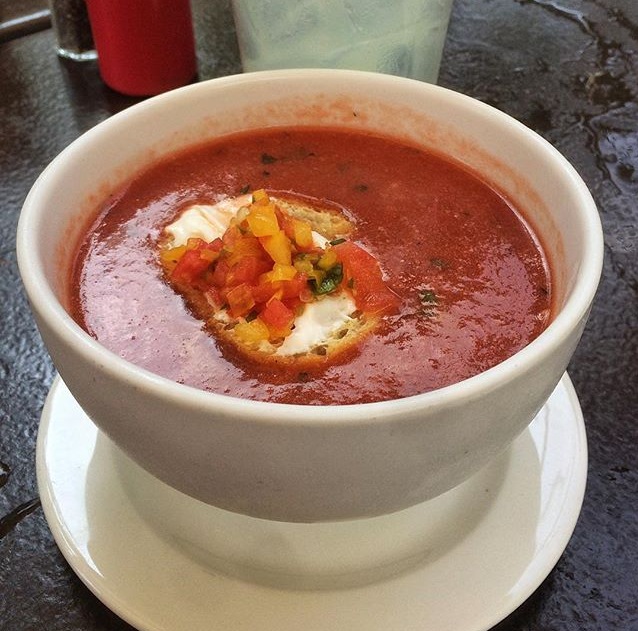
(566, 68)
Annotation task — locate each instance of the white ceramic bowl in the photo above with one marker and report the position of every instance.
(311, 463)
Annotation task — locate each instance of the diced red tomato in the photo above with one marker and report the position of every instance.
(221, 272)
(263, 292)
(190, 267)
(306, 295)
(214, 298)
(295, 287)
(232, 234)
(240, 300)
(363, 276)
(247, 270)
(277, 317)
(216, 245)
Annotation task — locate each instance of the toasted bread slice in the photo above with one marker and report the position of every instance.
(324, 219)
(326, 328)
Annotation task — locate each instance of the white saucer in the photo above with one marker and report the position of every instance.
(486, 563)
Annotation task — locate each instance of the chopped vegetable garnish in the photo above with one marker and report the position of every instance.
(266, 267)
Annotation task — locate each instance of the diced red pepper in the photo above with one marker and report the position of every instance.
(195, 243)
(293, 303)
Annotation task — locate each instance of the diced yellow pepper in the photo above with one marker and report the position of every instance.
(318, 275)
(303, 265)
(262, 220)
(282, 272)
(170, 258)
(278, 247)
(253, 332)
(302, 232)
(279, 333)
(261, 197)
(328, 259)
(245, 246)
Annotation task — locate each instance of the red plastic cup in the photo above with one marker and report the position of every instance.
(144, 47)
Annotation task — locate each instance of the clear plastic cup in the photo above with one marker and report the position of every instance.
(399, 37)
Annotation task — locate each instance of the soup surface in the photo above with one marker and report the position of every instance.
(472, 280)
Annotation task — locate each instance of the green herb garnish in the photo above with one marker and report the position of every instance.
(438, 262)
(428, 297)
(429, 302)
(330, 281)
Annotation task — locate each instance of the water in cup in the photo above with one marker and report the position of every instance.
(400, 37)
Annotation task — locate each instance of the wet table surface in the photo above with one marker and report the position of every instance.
(566, 68)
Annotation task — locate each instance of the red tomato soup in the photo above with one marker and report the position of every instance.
(472, 279)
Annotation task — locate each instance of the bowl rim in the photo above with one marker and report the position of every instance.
(45, 303)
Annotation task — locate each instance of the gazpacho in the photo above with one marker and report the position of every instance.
(311, 265)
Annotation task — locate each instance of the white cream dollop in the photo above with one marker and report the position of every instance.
(318, 322)
(205, 221)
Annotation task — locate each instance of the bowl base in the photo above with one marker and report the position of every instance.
(503, 531)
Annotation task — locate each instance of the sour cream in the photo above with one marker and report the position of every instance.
(318, 322)
(204, 221)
